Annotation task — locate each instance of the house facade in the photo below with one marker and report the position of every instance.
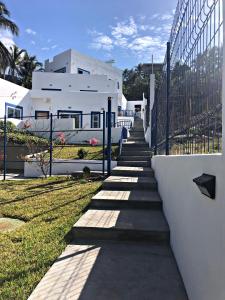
(75, 99)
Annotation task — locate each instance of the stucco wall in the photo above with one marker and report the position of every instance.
(73, 60)
(14, 94)
(73, 82)
(65, 167)
(196, 222)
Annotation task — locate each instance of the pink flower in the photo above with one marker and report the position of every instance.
(27, 124)
(93, 142)
(61, 137)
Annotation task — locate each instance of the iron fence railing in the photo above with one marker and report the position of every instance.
(187, 113)
(45, 143)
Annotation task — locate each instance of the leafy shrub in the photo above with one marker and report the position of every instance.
(24, 138)
(81, 153)
(10, 127)
(86, 172)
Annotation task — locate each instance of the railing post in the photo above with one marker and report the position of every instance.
(167, 98)
(103, 143)
(156, 126)
(109, 124)
(5, 148)
(50, 147)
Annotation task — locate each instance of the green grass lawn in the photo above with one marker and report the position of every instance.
(50, 207)
(93, 152)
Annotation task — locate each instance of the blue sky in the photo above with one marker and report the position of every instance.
(129, 31)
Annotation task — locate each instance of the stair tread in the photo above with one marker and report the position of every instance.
(92, 270)
(126, 219)
(134, 169)
(129, 179)
(136, 195)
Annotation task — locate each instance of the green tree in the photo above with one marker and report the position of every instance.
(6, 24)
(15, 62)
(28, 66)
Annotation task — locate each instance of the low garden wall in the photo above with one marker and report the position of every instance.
(64, 166)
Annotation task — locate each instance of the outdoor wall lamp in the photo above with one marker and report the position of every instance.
(206, 184)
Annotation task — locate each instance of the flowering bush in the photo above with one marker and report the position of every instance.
(61, 138)
(93, 142)
(26, 125)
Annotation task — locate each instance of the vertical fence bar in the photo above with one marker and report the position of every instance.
(103, 143)
(50, 147)
(156, 126)
(167, 98)
(5, 149)
(109, 124)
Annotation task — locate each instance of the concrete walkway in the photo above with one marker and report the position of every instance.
(120, 246)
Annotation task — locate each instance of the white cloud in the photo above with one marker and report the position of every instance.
(54, 46)
(49, 40)
(127, 28)
(139, 37)
(6, 38)
(30, 31)
(45, 48)
(101, 41)
(33, 42)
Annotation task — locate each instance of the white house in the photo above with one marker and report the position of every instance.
(74, 87)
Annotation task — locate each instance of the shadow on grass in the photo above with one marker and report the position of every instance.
(36, 194)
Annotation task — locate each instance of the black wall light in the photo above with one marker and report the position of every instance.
(207, 185)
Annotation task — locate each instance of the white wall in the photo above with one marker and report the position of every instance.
(73, 60)
(197, 223)
(77, 136)
(64, 167)
(14, 94)
(131, 104)
(78, 101)
(72, 82)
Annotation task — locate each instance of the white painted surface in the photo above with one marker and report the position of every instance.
(131, 104)
(73, 82)
(64, 167)
(73, 60)
(76, 136)
(197, 223)
(14, 94)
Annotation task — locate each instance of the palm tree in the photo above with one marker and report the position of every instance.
(5, 23)
(28, 66)
(16, 60)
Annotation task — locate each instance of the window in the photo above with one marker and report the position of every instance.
(95, 119)
(13, 111)
(118, 85)
(113, 119)
(41, 114)
(62, 70)
(76, 115)
(82, 71)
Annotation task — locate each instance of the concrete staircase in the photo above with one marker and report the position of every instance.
(121, 244)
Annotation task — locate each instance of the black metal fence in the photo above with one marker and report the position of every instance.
(44, 143)
(187, 113)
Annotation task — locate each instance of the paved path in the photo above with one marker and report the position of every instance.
(120, 246)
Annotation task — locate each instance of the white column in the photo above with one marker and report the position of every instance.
(152, 99)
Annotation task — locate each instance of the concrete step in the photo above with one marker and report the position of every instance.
(136, 139)
(131, 152)
(112, 270)
(134, 158)
(126, 224)
(134, 163)
(137, 134)
(136, 146)
(129, 183)
(126, 200)
(132, 171)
